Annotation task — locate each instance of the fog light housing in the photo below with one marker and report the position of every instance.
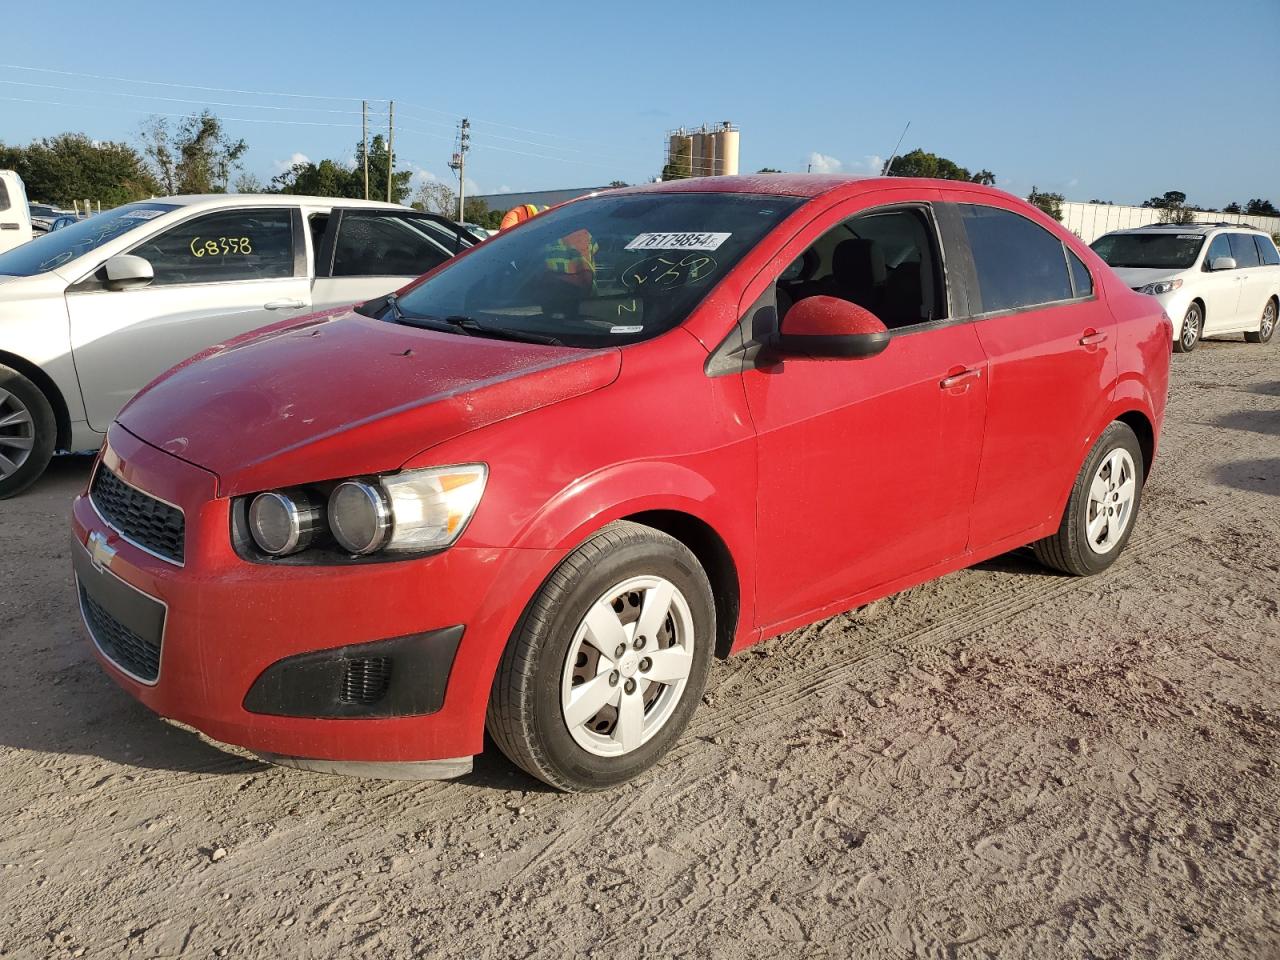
(359, 517)
(283, 523)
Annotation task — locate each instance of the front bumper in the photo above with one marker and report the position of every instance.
(228, 624)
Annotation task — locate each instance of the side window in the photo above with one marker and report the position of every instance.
(1218, 247)
(4, 196)
(885, 261)
(376, 244)
(1018, 263)
(1266, 250)
(1081, 281)
(221, 247)
(1244, 250)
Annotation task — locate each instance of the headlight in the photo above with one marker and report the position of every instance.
(283, 523)
(1161, 287)
(416, 511)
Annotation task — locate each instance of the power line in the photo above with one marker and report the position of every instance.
(495, 123)
(152, 96)
(161, 113)
(186, 86)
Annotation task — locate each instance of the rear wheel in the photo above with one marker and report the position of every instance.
(28, 432)
(1192, 328)
(1266, 326)
(608, 663)
(1102, 508)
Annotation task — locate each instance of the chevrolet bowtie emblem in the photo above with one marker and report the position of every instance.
(99, 552)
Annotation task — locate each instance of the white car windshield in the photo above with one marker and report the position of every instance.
(52, 250)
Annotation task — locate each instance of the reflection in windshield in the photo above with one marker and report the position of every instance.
(604, 271)
(52, 250)
(1150, 251)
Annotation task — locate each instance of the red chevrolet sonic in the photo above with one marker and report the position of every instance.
(540, 488)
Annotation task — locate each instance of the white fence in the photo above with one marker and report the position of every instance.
(1091, 220)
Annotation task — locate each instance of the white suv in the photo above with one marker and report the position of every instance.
(1211, 278)
(93, 312)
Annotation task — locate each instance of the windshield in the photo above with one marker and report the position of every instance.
(599, 272)
(52, 250)
(1150, 251)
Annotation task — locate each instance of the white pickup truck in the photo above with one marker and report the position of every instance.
(15, 215)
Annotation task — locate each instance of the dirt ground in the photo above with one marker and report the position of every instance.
(1002, 763)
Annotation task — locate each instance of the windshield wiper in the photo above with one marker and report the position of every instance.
(473, 326)
(397, 315)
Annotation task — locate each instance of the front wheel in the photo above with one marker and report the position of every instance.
(1192, 328)
(1102, 508)
(28, 432)
(608, 663)
(1266, 326)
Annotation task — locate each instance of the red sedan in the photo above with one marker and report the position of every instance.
(543, 486)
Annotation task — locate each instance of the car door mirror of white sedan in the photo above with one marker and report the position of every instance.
(1222, 263)
(125, 272)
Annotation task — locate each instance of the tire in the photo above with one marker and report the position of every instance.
(1266, 324)
(28, 432)
(1192, 330)
(1077, 548)
(529, 709)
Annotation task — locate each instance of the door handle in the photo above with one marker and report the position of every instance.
(8, 226)
(956, 379)
(1092, 337)
(283, 304)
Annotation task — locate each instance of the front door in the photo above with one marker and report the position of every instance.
(1051, 345)
(1255, 281)
(866, 467)
(217, 275)
(1219, 289)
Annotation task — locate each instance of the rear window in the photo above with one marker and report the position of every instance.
(1244, 250)
(1019, 264)
(1266, 250)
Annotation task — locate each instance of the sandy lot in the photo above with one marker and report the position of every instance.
(1003, 763)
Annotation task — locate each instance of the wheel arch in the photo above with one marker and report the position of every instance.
(45, 384)
(1138, 422)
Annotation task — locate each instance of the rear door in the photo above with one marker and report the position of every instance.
(15, 217)
(217, 275)
(1254, 281)
(365, 252)
(1050, 343)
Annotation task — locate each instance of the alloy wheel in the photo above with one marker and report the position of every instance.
(627, 666)
(17, 433)
(1111, 498)
(1191, 327)
(1268, 321)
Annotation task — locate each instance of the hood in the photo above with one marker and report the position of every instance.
(1141, 276)
(346, 395)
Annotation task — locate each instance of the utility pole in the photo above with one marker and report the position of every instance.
(459, 162)
(364, 141)
(391, 146)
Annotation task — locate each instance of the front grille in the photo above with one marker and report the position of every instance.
(365, 680)
(138, 655)
(142, 519)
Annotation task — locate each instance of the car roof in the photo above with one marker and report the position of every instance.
(1204, 229)
(806, 185)
(269, 200)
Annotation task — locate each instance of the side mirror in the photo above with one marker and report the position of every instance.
(1222, 263)
(831, 328)
(125, 272)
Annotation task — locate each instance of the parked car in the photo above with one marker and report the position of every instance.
(539, 489)
(91, 312)
(63, 220)
(1211, 279)
(15, 218)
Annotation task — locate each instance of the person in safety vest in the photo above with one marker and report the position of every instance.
(519, 215)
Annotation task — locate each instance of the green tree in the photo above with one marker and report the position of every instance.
(436, 196)
(618, 183)
(331, 178)
(1261, 208)
(1173, 207)
(71, 166)
(919, 163)
(1233, 207)
(195, 157)
(1050, 203)
(476, 211)
(768, 170)
(680, 164)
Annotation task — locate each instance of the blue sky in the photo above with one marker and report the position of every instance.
(1118, 100)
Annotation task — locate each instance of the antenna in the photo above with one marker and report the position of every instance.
(893, 156)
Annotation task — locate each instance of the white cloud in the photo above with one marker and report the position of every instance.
(505, 188)
(821, 163)
(283, 165)
(872, 164)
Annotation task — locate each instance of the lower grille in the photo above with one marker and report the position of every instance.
(366, 680)
(136, 654)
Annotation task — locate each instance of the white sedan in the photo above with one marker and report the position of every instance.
(92, 313)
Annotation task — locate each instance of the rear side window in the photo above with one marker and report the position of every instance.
(221, 247)
(4, 196)
(1081, 282)
(388, 245)
(1266, 250)
(1244, 250)
(1018, 263)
